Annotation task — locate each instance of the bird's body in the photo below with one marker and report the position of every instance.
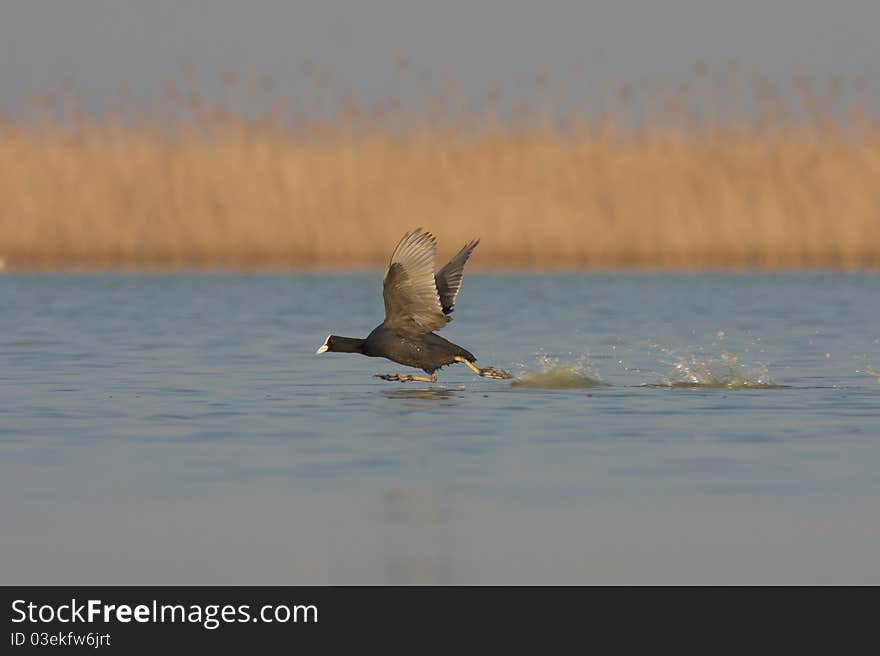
(417, 302)
(425, 351)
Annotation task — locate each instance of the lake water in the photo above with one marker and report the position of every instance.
(179, 429)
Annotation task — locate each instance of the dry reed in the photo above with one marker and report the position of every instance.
(235, 191)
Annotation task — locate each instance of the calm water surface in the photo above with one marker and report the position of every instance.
(179, 429)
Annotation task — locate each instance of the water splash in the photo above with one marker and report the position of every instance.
(724, 372)
(554, 374)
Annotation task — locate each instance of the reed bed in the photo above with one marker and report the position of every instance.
(222, 190)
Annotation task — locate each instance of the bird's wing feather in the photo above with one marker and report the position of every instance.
(448, 279)
(411, 300)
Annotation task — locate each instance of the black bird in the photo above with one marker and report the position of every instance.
(417, 302)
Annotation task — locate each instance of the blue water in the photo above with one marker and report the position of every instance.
(180, 429)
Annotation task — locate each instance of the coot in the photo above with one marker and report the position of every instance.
(417, 302)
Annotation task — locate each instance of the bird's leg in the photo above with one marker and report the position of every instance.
(469, 364)
(488, 372)
(407, 378)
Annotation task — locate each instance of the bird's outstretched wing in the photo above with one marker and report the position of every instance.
(448, 279)
(408, 288)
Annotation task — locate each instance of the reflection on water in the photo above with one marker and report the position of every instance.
(420, 552)
(431, 396)
(180, 429)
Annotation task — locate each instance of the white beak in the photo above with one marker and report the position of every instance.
(323, 348)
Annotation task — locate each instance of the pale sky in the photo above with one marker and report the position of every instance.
(98, 45)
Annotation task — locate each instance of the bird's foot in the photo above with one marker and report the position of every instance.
(492, 372)
(488, 372)
(399, 378)
(407, 378)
